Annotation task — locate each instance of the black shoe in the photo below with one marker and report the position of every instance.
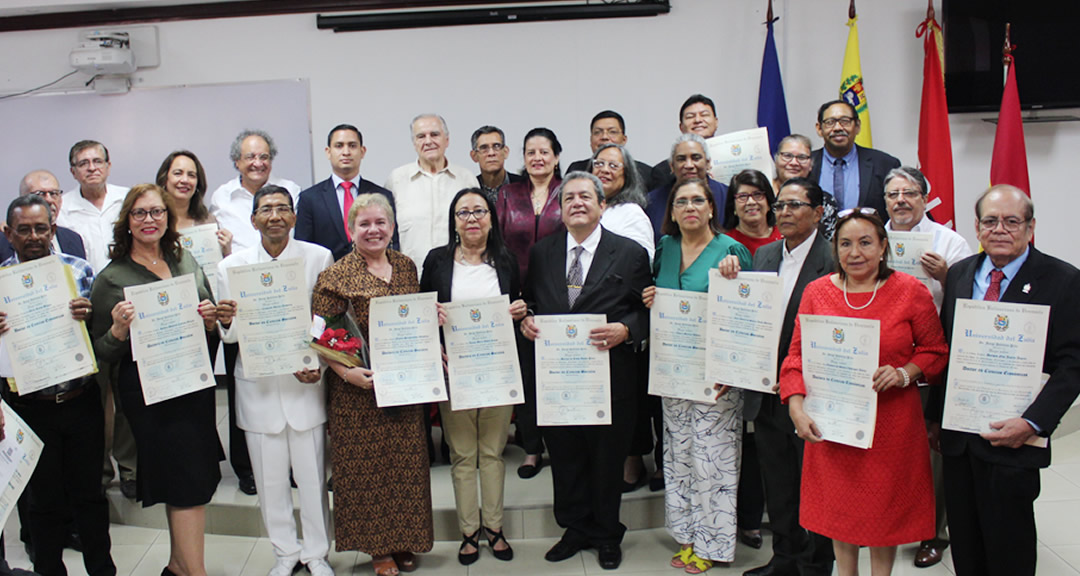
(73, 541)
(493, 537)
(127, 488)
(526, 471)
(330, 484)
(473, 556)
(750, 539)
(628, 487)
(563, 550)
(610, 556)
(656, 483)
(166, 572)
(770, 570)
(247, 484)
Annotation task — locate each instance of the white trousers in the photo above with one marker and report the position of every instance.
(271, 457)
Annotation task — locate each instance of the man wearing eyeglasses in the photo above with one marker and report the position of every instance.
(855, 176)
(608, 127)
(992, 479)
(43, 183)
(95, 208)
(489, 151)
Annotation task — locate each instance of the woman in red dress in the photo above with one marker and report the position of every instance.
(751, 221)
(883, 496)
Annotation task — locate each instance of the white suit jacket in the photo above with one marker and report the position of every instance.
(265, 405)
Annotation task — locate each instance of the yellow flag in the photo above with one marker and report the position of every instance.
(851, 84)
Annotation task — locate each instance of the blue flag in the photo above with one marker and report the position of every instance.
(771, 107)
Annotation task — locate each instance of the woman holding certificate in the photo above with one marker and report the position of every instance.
(701, 440)
(382, 489)
(181, 175)
(882, 496)
(751, 221)
(475, 265)
(176, 439)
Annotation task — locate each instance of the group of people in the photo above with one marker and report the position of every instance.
(597, 240)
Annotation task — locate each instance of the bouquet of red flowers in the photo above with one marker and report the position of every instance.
(339, 341)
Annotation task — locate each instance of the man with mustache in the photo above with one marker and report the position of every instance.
(855, 176)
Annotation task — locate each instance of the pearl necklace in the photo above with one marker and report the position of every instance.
(872, 296)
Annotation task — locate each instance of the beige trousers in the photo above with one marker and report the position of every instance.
(476, 439)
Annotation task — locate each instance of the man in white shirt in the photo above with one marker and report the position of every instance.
(424, 188)
(284, 417)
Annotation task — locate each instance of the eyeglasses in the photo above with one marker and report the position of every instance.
(485, 148)
(252, 157)
(743, 197)
(861, 210)
(40, 230)
(697, 201)
(48, 193)
(154, 213)
(464, 215)
(97, 162)
(611, 132)
(283, 209)
(786, 157)
(845, 121)
(793, 204)
(1011, 224)
(600, 164)
(908, 194)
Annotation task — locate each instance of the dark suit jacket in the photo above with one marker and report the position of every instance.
(618, 274)
(70, 243)
(819, 262)
(873, 166)
(644, 170)
(657, 205)
(1048, 281)
(439, 275)
(661, 173)
(319, 219)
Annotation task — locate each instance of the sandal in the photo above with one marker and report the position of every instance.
(385, 566)
(406, 561)
(493, 538)
(470, 557)
(683, 557)
(696, 565)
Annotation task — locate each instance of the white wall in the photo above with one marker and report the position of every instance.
(559, 74)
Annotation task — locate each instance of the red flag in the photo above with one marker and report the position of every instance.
(1009, 163)
(935, 143)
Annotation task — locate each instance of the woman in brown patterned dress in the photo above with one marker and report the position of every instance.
(382, 489)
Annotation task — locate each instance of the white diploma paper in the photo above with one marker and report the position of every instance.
(406, 356)
(737, 151)
(44, 346)
(840, 356)
(19, 453)
(202, 242)
(573, 378)
(745, 317)
(482, 354)
(168, 339)
(677, 346)
(272, 317)
(995, 363)
(907, 248)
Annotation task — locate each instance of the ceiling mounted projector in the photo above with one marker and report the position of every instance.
(104, 53)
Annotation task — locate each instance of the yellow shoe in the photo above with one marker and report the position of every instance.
(683, 557)
(696, 565)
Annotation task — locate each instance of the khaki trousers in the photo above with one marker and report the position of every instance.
(476, 439)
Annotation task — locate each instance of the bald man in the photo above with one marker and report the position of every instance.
(43, 183)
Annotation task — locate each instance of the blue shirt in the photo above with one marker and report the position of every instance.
(851, 177)
(982, 275)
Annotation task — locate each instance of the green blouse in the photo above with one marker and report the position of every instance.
(668, 261)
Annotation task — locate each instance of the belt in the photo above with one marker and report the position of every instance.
(53, 398)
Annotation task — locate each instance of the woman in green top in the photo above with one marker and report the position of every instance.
(176, 440)
(701, 440)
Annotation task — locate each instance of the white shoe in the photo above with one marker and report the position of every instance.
(283, 567)
(319, 567)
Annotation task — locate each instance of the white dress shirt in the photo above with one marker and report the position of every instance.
(592, 241)
(629, 220)
(95, 226)
(792, 263)
(231, 206)
(947, 244)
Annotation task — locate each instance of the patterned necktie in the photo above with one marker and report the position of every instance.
(993, 293)
(574, 279)
(838, 182)
(347, 187)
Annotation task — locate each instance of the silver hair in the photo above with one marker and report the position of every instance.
(234, 150)
(690, 137)
(598, 186)
(911, 175)
(484, 131)
(442, 122)
(633, 190)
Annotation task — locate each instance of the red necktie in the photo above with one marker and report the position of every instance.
(347, 187)
(993, 293)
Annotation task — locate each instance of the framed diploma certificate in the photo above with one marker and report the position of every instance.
(907, 249)
(482, 354)
(995, 363)
(745, 316)
(840, 356)
(273, 315)
(573, 378)
(44, 345)
(406, 355)
(202, 242)
(734, 152)
(168, 339)
(19, 453)
(677, 346)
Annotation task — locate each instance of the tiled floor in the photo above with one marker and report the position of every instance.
(145, 551)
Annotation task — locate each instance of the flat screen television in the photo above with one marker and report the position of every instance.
(1046, 34)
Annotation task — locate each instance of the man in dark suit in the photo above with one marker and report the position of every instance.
(608, 127)
(489, 151)
(322, 210)
(590, 270)
(992, 479)
(689, 159)
(43, 183)
(855, 176)
(697, 115)
(804, 255)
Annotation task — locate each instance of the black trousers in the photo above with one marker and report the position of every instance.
(238, 451)
(751, 501)
(68, 480)
(795, 549)
(525, 414)
(991, 516)
(649, 423)
(586, 471)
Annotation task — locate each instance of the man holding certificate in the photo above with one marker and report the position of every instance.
(591, 271)
(992, 479)
(283, 415)
(68, 417)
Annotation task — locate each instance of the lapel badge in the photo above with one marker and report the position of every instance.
(1027, 288)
